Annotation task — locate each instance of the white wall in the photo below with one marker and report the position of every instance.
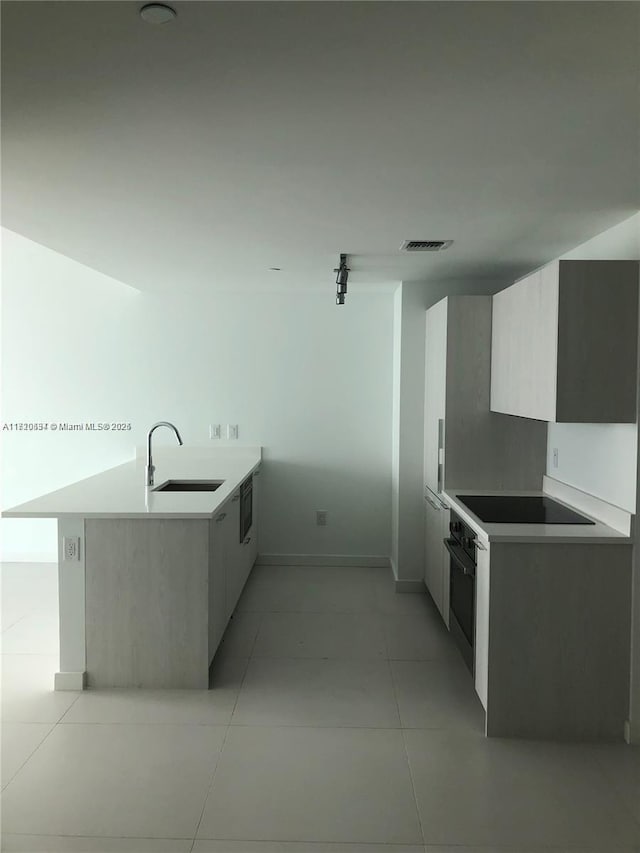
(600, 458)
(309, 381)
(597, 458)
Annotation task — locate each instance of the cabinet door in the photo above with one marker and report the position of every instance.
(250, 544)
(481, 645)
(235, 580)
(217, 582)
(445, 517)
(524, 347)
(435, 385)
(433, 554)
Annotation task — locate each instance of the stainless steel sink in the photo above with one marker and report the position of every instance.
(189, 486)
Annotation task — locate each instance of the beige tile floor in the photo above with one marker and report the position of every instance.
(341, 720)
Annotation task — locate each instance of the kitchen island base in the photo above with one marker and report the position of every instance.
(146, 601)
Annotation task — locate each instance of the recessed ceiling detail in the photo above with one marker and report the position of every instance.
(425, 245)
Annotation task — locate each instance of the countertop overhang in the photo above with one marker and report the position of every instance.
(121, 492)
(598, 533)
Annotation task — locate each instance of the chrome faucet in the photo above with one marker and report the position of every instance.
(150, 466)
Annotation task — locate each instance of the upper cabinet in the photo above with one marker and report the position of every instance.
(465, 444)
(564, 343)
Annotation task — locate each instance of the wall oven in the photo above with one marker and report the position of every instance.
(462, 595)
(246, 507)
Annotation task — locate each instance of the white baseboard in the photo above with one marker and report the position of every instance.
(322, 560)
(406, 585)
(70, 681)
(29, 557)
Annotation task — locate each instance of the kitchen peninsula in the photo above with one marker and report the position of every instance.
(148, 579)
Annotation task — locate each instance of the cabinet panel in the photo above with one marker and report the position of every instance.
(564, 343)
(217, 583)
(481, 448)
(434, 556)
(446, 573)
(524, 347)
(145, 593)
(481, 648)
(234, 553)
(435, 387)
(597, 342)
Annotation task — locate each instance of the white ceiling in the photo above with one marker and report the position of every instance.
(242, 136)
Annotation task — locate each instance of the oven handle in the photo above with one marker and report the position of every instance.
(467, 566)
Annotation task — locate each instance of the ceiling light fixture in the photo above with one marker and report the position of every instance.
(341, 280)
(157, 13)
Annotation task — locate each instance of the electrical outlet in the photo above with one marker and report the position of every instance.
(71, 548)
(321, 517)
(232, 431)
(214, 431)
(555, 457)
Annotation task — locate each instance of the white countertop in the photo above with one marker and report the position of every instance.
(121, 493)
(598, 533)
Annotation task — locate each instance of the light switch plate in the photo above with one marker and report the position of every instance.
(232, 431)
(214, 431)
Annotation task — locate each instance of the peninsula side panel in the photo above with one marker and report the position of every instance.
(147, 602)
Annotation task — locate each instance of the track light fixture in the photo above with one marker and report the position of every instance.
(341, 280)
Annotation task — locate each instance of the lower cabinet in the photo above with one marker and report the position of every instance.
(436, 557)
(552, 639)
(217, 581)
(230, 564)
(233, 556)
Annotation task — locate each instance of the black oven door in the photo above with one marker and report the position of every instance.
(462, 600)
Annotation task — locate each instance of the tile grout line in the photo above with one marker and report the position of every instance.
(33, 752)
(406, 755)
(212, 779)
(224, 740)
(61, 720)
(6, 628)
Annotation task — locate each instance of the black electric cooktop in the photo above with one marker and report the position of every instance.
(521, 509)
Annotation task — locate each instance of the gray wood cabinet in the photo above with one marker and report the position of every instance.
(217, 581)
(564, 343)
(159, 595)
(480, 448)
(146, 602)
(465, 444)
(552, 639)
(232, 556)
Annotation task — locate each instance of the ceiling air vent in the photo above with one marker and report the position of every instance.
(425, 245)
